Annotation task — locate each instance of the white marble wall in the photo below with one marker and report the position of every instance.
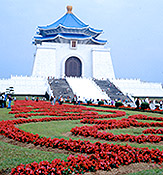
(102, 64)
(51, 57)
(45, 62)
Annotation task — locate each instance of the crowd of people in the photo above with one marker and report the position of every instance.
(33, 98)
(76, 100)
(6, 99)
(61, 100)
(151, 104)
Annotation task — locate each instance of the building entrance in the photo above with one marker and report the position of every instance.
(73, 67)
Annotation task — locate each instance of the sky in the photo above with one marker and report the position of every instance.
(133, 29)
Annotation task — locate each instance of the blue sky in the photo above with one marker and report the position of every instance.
(133, 28)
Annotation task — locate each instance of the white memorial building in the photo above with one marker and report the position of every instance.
(70, 48)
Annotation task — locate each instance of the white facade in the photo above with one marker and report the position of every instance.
(102, 67)
(51, 57)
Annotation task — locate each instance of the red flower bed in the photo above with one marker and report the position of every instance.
(101, 156)
(92, 131)
(153, 131)
(76, 165)
(144, 117)
(123, 123)
(45, 109)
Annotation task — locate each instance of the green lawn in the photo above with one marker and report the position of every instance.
(148, 172)
(12, 155)
(4, 114)
(53, 129)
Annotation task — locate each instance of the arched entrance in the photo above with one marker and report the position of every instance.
(73, 67)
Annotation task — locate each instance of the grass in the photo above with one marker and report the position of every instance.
(148, 172)
(53, 129)
(11, 155)
(4, 114)
(132, 131)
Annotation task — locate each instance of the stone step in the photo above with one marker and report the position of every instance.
(110, 89)
(61, 87)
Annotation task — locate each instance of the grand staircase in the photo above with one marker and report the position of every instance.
(86, 89)
(60, 87)
(111, 90)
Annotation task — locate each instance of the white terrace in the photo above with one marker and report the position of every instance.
(86, 88)
(25, 85)
(137, 88)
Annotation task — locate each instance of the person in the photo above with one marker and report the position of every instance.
(1, 102)
(14, 98)
(37, 99)
(152, 105)
(146, 100)
(112, 102)
(9, 103)
(61, 100)
(5, 99)
(137, 103)
(105, 102)
(108, 101)
(33, 98)
(79, 100)
(74, 99)
(51, 100)
(26, 98)
(161, 104)
(54, 100)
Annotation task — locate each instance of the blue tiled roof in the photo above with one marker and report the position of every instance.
(68, 27)
(68, 20)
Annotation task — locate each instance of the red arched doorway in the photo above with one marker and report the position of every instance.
(73, 67)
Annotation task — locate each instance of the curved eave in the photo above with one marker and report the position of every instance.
(99, 41)
(69, 27)
(62, 36)
(63, 29)
(94, 41)
(95, 30)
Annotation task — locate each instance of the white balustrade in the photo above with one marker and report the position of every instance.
(139, 88)
(25, 85)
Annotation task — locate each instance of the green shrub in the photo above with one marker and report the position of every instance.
(100, 103)
(89, 102)
(117, 104)
(144, 105)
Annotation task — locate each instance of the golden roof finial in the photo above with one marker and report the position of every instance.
(69, 9)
